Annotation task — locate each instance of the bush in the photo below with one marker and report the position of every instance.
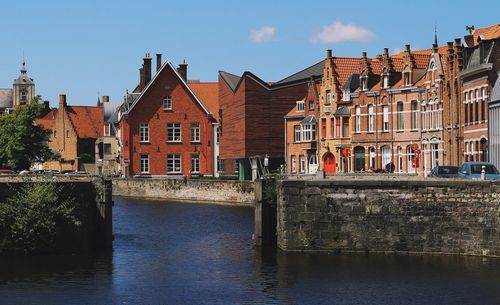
(34, 218)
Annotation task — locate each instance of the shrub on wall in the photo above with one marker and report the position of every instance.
(34, 218)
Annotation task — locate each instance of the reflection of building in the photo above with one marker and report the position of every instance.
(74, 132)
(22, 92)
(301, 134)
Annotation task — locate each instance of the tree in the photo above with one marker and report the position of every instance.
(21, 141)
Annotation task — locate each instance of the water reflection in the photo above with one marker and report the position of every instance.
(183, 253)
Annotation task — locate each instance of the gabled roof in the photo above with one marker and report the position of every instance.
(5, 98)
(310, 119)
(168, 65)
(231, 79)
(342, 111)
(486, 33)
(87, 120)
(352, 83)
(47, 121)
(315, 70)
(208, 93)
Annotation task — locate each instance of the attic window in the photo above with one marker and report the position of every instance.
(407, 78)
(346, 97)
(385, 81)
(364, 83)
(301, 106)
(328, 97)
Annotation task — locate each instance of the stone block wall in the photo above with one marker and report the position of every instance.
(390, 215)
(216, 191)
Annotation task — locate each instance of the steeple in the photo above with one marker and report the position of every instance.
(24, 88)
(435, 35)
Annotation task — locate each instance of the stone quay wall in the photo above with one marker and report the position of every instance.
(92, 202)
(216, 191)
(443, 216)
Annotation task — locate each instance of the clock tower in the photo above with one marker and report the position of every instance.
(24, 88)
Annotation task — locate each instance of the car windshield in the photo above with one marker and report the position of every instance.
(488, 169)
(448, 170)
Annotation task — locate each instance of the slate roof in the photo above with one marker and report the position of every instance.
(342, 111)
(314, 70)
(310, 119)
(5, 98)
(231, 79)
(208, 94)
(352, 83)
(495, 91)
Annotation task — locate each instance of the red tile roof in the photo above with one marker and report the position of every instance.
(345, 66)
(489, 32)
(47, 121)
(87, 120)
(208, 94)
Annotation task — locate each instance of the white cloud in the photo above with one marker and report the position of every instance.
(397, 50)
(263, 34)
(337, 32)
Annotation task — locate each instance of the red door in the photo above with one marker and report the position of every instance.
(329, 160)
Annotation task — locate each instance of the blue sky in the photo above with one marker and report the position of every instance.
(80, 48)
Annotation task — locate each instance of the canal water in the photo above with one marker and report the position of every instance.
(187, 253)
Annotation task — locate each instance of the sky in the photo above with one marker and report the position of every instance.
(89, 48)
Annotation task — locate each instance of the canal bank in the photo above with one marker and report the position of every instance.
(199, 190)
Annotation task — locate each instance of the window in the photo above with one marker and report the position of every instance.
(370, 118)
(385, 81)
(466, 108)
(311, 105)
(144, 164)
(345, 127)
(55, 133)
(144, 133)
(293, 164)
(437, 115)
(346, 97)
(220, 165)
(477, 106)
(407, 78)
(195, 132)
(385, 111)
(23, 95)
(328, 97)
(301, 107)
(67, 133)
(174, 164)
(401, 123)
(386, 155)
(302, 164)
(372, 157)
(409, 160)
(358, 119)
(323, 128)
(483, 105)
(167, 103)
(297, 133)
(414, 114)
(400, 159)
(434, 155)
(107, 148)
(471, 112)
(174, 132)
(308, 132)
(364, 83)
(337, 127)
(195, 164)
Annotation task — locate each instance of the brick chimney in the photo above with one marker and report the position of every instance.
(105, 98)
(469, 40)
(329, 53)
(147, 69)
(141, 78)
(158, 62)
(62, 101)
(183, 70)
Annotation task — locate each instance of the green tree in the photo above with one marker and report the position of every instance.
(21, 141)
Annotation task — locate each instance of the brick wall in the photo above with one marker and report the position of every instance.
(390, 215)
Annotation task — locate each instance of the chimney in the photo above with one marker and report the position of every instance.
(158, 62)
(147, 69)
(458, 42)
(183, 70)
(46, 105)
(141, 78)
(407, 48)
(329, 53)
(62, 101)
(105, 99)
(434, 47)
(386, 51)
(363, 54)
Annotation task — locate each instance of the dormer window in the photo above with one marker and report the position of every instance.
(364, 83)
(385, 81)
(311, 105)
(407, 78)
(301, 106)
(347, 95)
(328, 97)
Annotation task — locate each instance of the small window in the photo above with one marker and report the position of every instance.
(358, 119)
(385, 81)
(364, 83)
(167, 103)
(55, 134)
(144, 133)
(301, 107)
(67, 133)
(195, 132)
(173, 164)
(370, 118)
(195, 164)
(144, 164)
(401, 123)
(407, 78)
(107, 148)
(297, 133)
(311, 105)
(414, 114)
(174, 132)
(293, 164)
(346, 97)
(385, 110)
(328, 97)
(302, 164)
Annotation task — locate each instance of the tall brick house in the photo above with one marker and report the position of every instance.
(301, 147)
(165, 128)
(251, 117)
(75, 130)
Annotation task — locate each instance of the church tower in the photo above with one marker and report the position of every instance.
(24, 88)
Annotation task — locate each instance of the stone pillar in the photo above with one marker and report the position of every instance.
(265, 213)
(104, 221)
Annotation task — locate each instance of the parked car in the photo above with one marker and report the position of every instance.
(7, 172)
(444, 171)
(472, 170)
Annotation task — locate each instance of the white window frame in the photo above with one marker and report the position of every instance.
(167, 103)
(301, 106)
(385, 83)
(293, 163)
(370, 118)
(308, 132)
(144, 133)
(144, 163)
(195, 164)
(385, 121)
(401, 115)
(174, 133)
(346, 97)
(371, 152)
(297, 133)
(414, 115)
(174, 164)
(357, 117)
(195, 132)
(386, 155)
(302, 163)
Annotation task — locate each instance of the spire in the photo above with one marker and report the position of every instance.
(435, 34)
(23, 68)
(98, 99)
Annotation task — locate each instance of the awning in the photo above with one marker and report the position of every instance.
(342, 111)
(310, 119)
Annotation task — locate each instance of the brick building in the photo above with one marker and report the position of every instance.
(165, 128)
(74, 133)
(251, 117)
